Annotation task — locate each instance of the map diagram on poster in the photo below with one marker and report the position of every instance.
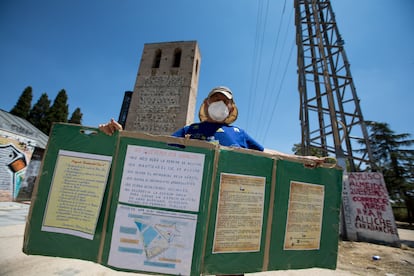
(152, 240)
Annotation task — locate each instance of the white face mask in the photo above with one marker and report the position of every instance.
(218, 111)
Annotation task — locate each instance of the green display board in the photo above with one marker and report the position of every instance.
(239, 211)
(159, 198)
(65, 139)
(305, 217)
(165, 205)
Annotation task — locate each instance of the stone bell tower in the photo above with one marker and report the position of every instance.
(165, 90)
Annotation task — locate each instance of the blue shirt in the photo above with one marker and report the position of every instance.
(220, 133)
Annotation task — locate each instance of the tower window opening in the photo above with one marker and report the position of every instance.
(157, 59)
(177, 57)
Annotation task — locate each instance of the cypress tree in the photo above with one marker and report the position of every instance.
(76, 117)
(38, 113)
(59, 110)
(22, 107)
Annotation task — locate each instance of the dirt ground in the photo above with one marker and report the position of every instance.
(354, 258)
(357, 257)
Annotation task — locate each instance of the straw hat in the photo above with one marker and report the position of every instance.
(203, 113)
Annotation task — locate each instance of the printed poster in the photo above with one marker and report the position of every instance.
(239, 213)
(152, 240)
(304, 220)
(162, 178)
(76, 193)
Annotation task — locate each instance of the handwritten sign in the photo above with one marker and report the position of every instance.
(239, 213)
(304, 221)
(370, 212)
(76, 193)
(162, 178)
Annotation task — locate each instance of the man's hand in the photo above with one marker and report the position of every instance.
(110, 128)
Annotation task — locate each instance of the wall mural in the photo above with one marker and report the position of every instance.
(15, 155)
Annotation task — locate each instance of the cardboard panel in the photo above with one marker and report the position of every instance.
(65, 138)
(166, 205)
(237, 226)
(306, 217)
(159, 205)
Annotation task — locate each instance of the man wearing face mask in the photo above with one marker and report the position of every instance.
(216, 114)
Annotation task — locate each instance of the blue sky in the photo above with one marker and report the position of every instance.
(92, 50)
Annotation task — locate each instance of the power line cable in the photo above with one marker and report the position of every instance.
(254, 60)
(266, 97)
(287, 32)
(280, 89)
(257, 71)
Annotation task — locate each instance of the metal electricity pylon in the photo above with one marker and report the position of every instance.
(330, 114)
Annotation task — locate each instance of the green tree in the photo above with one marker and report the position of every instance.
(59, 110)
(38, 113)
(297, 150)
(22, 107)
(76, 117)
(393, 157)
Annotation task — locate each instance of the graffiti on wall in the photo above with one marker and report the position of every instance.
(30, 175)
(15, 154)
(12, 166)
(369, 212)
